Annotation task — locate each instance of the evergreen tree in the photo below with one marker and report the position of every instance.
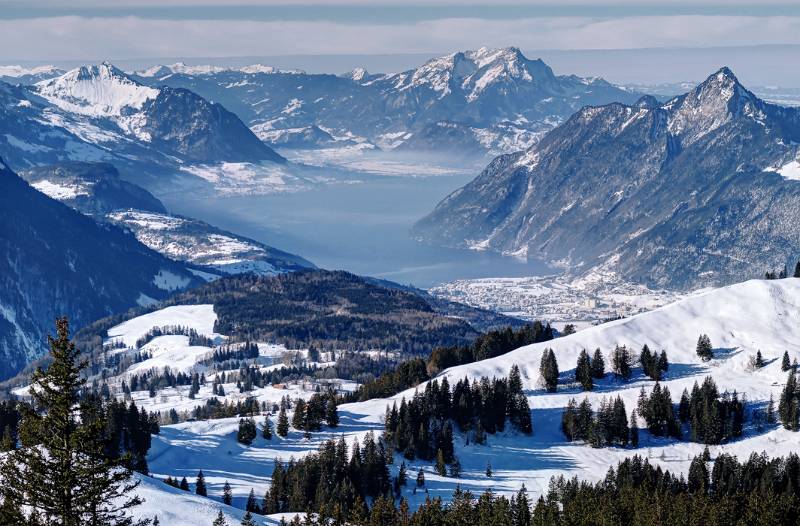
(247, 431)
(455, 468)
(441, 467)
(283, 423)
(621, 362)
(266, 429)
(785, 364)
(61, 472)
(489, 469)
(634, 433)
(200, 485)
(331, 414)
(583, 371)
(252, 505)
(758, 362)
(248, 519)
(227, 494)
(598, 365)
(220, 520)
(402, 474)
(770, 413)
(704, 349)
(184, 485)
(420, 478)
(299, 416)
(797, 270)
(548, 369)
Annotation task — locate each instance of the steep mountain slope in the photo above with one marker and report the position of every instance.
(485, 100)
(700, 190)
(55, 261)
(98, 113)
(97, 190)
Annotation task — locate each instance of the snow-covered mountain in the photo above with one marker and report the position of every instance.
(15, 74)
(96, 189)
(55, 261)
(493, 100)
(739, 320)
(98, 112)
(703, 189)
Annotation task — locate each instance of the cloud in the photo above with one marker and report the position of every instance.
(120, 38)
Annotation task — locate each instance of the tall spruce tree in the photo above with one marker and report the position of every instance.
(598, 365)
(704, 349)
(283, 423)
(61, 473)
(797, 270)
(200, 486)
(583, 371)
(227, 493)
(548, 369)
(785, 363)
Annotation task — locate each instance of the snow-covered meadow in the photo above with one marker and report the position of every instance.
(739, 319)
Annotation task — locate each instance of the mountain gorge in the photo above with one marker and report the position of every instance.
(493, 100)
(700, 190)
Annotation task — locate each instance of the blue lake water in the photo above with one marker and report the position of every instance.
(362, 228)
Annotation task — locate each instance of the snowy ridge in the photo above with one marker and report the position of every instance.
(101, 90)
(739, 319)
(16, 71)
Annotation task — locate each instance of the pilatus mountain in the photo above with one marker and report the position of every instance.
(703, 189)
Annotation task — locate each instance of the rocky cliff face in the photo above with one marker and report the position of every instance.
(701, 190)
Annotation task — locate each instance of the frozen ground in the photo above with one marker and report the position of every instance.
(740, 319)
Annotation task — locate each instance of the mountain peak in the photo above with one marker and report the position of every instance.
(100, 90)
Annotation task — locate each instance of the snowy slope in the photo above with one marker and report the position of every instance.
(739, 319)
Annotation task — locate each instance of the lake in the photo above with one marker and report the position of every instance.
(360, 227)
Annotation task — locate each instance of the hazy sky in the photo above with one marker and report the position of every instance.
(91, 30)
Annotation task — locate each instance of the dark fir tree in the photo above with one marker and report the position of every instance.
(489, 469)
(548, 369)
(634, 434)
(704, 349)
(247, 431)
(252, 505)
(227, 494)
(583, 371)
(200, 485)
(184, 485)
(621, 362)
(785, 363)
(797, 270)
(248, 519)
(420, 478)
(61, 473)
(283, 423)
(266, 429)
(299, 416)
(331, 414)
(220, 520)
(598, 365)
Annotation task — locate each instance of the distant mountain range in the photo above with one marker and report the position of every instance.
(55, 261)
(703, 189)
(98, 113)
(494, 100)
